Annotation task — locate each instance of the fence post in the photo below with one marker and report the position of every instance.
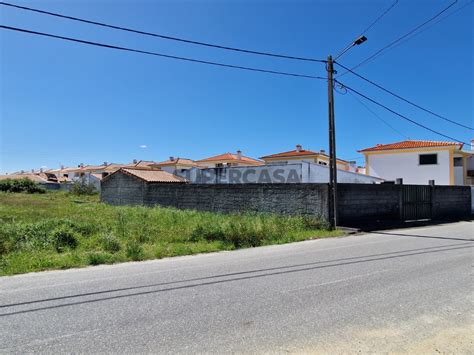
(399, 183)
(433, 198)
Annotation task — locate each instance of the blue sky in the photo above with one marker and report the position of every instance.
(67, 103)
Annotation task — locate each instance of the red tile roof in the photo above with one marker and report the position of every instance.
(409, 144)
(150, 175)
(39, 178)
(176, 161)
(296, 153)
(291, 153)
(230, 157)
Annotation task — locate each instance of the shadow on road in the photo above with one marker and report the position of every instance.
(378, 225)
(267, 272)
(422, 236)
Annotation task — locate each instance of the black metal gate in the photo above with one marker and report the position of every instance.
(416, 202)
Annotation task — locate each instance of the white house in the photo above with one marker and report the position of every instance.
(418, 162)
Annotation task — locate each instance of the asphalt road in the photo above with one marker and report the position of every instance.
(400, 290)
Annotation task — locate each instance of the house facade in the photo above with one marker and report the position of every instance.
(175, 164)
(418, 162)
(227, 160)
(300, 155)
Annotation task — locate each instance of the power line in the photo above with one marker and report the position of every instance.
(380, 17)
(429, 26)
(400, 115)
(403, 99)
(159, 54)
(367, 29)
(401, 38)
(163, 36)
(377, 116)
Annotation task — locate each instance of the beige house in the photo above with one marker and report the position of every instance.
(304, 155)
(175, 164)
(227, 160)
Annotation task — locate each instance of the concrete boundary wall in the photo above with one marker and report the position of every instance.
(357, 202)
(290, 199)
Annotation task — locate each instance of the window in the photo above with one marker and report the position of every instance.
(428, 159)
(457, 162)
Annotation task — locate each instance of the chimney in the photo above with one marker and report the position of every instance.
(41, 170)
(299, 148)
(135, 161)
(32, 171)
(171, 158)
(62, 167)
(105, 163)
(239, 154)
(322, 151)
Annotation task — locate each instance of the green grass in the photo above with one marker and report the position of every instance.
(57, 230)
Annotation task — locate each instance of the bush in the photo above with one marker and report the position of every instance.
(81, 187)
(97, 258)
(63, 238)
(20, 185)
(134, 251)
(54, 233)
(207, 231)
(110, 243)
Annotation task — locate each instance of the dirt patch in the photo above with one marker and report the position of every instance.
(424, 335)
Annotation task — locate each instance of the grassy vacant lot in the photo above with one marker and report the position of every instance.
(56, 230)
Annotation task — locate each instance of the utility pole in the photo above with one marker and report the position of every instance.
(332, 133)
(332, 148)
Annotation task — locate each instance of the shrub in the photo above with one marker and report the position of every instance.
(134, 251)
(110, 243)
(207, 231)
(97, 258)
(54, 233)
(20, 185)
(63, 238)
(81, 187)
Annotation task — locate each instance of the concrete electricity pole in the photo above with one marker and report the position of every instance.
(332, 148)
(332, 134)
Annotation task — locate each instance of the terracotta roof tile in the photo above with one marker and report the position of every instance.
(176, 161)
(150, 175)
(409, 144)
(291, 153)
(33, 177)
(300, 153)
(230, 157)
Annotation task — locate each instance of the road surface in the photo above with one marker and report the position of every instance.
(399, 290)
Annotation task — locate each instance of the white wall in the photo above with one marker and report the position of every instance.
(284, 173)
(406, 166)
(308, 160)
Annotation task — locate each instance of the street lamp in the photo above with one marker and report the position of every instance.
(357, 42)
